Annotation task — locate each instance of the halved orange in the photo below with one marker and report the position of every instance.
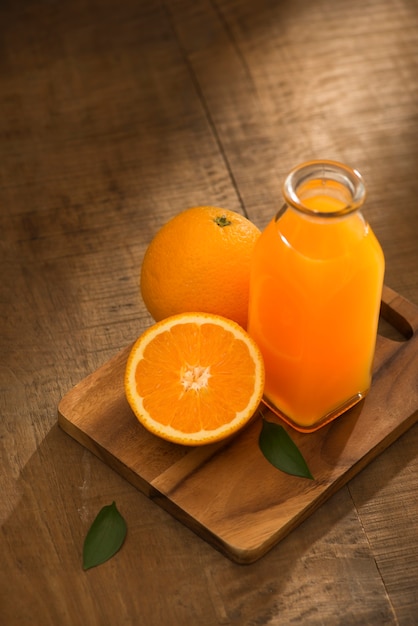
(194, 378)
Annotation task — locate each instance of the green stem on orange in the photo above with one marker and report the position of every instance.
(222, 221)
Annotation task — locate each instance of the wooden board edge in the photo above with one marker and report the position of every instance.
(104, 455)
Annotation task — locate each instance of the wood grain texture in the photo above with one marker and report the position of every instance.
(113, 117)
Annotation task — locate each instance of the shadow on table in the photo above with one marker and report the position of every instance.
(64, 486)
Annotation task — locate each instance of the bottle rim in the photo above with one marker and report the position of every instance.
(322, 171)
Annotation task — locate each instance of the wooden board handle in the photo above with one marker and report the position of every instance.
(399, 312)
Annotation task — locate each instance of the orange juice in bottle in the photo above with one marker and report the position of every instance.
(315, 290)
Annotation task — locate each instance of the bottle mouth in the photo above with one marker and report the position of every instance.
(324, 188)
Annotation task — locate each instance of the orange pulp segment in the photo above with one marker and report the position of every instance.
(194, 378)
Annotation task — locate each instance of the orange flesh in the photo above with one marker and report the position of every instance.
(219, 365)
(314, 306)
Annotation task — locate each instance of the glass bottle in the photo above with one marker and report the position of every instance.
(315, 292)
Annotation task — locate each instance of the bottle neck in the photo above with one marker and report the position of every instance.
(324, 189)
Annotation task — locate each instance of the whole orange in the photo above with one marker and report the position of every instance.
(199, 261)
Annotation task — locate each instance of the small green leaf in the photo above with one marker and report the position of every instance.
(105, 537)
(281, 451)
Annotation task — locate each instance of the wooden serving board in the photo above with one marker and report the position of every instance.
(227, 492)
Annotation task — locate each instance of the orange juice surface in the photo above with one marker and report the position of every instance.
(314, 306)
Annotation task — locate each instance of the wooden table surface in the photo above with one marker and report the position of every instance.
(114, 116)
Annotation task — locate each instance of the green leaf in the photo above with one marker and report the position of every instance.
(281, 451)
(105, 537)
